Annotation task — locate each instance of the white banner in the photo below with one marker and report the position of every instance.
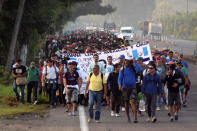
(83, 60)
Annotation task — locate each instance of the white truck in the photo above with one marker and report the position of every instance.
(127, 33)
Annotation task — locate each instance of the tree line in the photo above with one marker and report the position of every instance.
(39, 19)
(176, 24)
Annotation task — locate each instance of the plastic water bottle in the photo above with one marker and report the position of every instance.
(142, 105)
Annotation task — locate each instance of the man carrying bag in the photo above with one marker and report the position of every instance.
(19, 73)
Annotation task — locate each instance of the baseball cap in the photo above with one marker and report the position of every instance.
(171, 63)
(181, 55)
(74, 62)
(49, 60)
(128, 57)
(140, 59)
(122, 57)
(32, 63)
(70, 63)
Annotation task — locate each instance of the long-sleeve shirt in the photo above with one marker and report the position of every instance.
(127, 78)
(176, 77)
(113, 83)
(101, 67)
(151, 84)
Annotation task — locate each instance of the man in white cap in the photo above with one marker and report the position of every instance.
(127, 84)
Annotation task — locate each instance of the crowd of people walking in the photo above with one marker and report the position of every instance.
(164, 81)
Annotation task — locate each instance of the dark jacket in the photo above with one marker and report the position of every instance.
(112, 81)
(177, 77)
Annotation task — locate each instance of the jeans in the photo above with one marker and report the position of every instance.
(158, 101)
(32, 85)
(22, 89)
(95, 96)
(52, 93)
(151, 104)
(15, 89)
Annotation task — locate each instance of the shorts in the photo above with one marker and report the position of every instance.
(129, 94)
(174, 98)
(72, 97)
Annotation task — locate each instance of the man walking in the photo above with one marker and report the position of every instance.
(151, 88)
(72, 85)
(19, 72)
(174, 80)
(33, 77)
(127, 84)
(115, 92)
(96, 83)
(49, 80)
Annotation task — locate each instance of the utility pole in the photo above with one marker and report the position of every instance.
(187, 21)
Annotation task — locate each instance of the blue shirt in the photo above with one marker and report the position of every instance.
(91, 66)
(137, 67)
(168, 60)
(184, 63)
(151, 84)
(127, 78)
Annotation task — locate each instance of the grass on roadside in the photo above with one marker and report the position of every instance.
(9, 105)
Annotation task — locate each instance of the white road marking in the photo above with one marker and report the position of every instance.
(82, 119)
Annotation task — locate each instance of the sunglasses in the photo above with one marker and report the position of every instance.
(150, 68)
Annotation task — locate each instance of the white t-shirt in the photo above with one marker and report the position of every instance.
(109, 69)
(50, 71)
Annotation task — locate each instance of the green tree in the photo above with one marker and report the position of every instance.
(40, 18)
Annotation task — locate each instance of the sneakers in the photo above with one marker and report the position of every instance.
(97, 121)
(51, 106)
(123, 109)
(73, 113)
(112, 113)
(158, 108)
(70, 113)
(184, 105)
(135, 120)
(171, 119)
(166, 107)
(148, 119)
(117, 115)
(94, 107)
(35, 102)
(154, 119)
(18, 98)
(89, 120)
(176, 117)
(129, 120)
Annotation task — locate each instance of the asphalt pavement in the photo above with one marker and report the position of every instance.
(57, 119)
